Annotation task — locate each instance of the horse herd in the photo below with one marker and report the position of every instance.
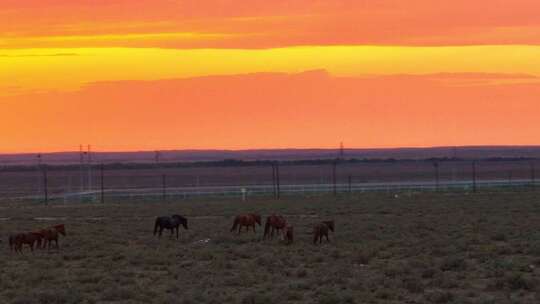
(41, 238)
(274, 224)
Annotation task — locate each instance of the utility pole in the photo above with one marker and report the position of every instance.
(39, 167)
(81, 174)
(89, 169)
(474, 175)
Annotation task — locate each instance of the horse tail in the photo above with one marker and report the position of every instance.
(235, 224)
(266, 227)
(156, 225)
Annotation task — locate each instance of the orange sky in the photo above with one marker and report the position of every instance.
(130, 75)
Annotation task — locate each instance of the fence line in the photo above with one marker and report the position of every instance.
(269, 190)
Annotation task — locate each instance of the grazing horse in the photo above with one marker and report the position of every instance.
(321, 229)
(247, 220)
(51, 234)
(288, 232)
(273, 223)
(170, 222)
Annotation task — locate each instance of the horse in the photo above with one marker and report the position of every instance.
(51, 234)
(321, 229)
(274, 222)
(247, 220)
(17, 241)
(173, 222)
(288, 232)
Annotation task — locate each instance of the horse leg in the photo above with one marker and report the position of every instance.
(327, 239)
(160, 231)
(177, 228)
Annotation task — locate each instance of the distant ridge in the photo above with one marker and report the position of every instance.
(466, 152)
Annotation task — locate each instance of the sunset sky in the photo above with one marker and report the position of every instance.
(230, 74)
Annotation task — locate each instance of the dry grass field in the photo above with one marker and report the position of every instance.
(409, 248)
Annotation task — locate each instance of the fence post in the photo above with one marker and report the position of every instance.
(102, 181)
(436, 165)
(45, 185)
(334, 164)
(533, 175)
(474, 175)
(274, 184)
(277, 181)
(163, 187)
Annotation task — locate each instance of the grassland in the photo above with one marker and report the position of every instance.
(409, 248)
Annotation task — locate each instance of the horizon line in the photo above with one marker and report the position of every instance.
(500, 146)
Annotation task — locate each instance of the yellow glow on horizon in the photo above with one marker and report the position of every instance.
(70, 68)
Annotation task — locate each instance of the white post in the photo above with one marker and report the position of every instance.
(244, 192)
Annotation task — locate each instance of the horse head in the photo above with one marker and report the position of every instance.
(180, 219)
(60, 229)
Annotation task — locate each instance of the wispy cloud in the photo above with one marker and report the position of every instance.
(39, 55)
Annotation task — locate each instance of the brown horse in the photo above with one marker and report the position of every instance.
(321, 229)
(51, 234)
(274, 223)
(288, 232)
(17, 241)
(247, 220)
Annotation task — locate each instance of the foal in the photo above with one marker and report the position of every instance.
(289, 234)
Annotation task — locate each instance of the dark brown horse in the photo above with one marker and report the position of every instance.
(51, 234)
(274, 223)
(246, 220)
(321, 229)
(170, 222)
